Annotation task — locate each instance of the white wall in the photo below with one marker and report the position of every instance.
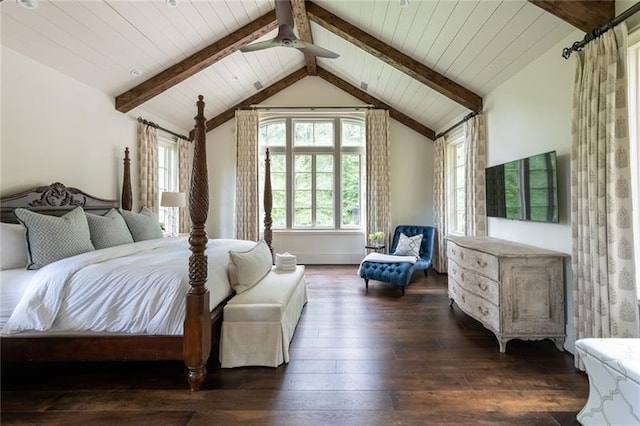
(530, 114)
(56, 129)
(411, 180)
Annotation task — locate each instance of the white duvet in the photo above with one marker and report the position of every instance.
(135, 288)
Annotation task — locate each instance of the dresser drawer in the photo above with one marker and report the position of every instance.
(475, 283)
(483, 263)
(477, 307)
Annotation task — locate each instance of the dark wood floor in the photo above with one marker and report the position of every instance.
(357, 358)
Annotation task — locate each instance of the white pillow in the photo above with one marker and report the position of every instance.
(13, 246)
(408, 246)
(247, 268)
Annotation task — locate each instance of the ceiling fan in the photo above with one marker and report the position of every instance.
(286, 36)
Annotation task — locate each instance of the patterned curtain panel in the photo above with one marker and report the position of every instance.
(378, 173)
(475, 163)
(604, 292)
(148, 167)
(439, 206)
(247, 175)
(185, 162)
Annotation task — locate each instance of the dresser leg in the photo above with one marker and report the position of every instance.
(503, 344)
(559, 342)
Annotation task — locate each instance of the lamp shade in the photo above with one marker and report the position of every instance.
(173, 199)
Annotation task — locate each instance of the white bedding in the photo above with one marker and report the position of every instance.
(135, 288)
(13, 284)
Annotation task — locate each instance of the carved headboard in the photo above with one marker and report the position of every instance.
(55, 199)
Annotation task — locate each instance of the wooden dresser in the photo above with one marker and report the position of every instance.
(514, 290)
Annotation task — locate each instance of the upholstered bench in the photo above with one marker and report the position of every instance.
(258, 324)
(613, 367)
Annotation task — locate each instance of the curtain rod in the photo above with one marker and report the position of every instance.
(157, 126)
(590, 36)
(464, 119)
(310, 108)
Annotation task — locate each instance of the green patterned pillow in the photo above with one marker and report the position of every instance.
(51, 238)
(143, 225)
(109, 230)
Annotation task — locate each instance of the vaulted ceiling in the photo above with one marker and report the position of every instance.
(429, 63)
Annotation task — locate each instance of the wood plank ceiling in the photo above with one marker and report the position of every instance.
(429, 63)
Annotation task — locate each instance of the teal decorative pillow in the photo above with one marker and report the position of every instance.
(247, 268)
(144, 225)
(109, 230)
(51, 238)
(408, 246)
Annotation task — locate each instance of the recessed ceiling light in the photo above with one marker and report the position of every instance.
(404, 3)
(28, 4)
(172, 3)
(136, 72)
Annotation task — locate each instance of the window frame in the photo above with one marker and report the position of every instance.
(453, 142)
(290, 150)
(167, 182)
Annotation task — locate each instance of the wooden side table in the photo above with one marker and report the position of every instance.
(378, 248)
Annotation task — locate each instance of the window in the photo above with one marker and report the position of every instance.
(456, 183)
(167, 179)
(317, 171)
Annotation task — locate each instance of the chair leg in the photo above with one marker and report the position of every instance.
(402, 290)
(366, 283)
(425, 273)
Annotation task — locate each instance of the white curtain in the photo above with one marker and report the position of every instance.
(439, 205)
(475, 163)
(148, 167)
(604, 291)
(185, 164)
(378, 173)
(247, 227)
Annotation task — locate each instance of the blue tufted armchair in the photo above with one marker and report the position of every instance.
(400, 273)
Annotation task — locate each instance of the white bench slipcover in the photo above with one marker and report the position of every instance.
(258, 324)
(613, 367)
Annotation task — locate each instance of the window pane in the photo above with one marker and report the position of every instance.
(324, 181)
(352, 133)
(272, 134)
(303, 199)
(324, 199)
(303, 133)
(278, 163)
(324, 217)
(460, 155)
(350, 189)
(313, 133)
(324, 163)
(302, 217)
(303, 163)
(323, 133)
(460, 221)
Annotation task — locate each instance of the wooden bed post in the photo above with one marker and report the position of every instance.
(197, 324)
(127, 198)
(268, 202)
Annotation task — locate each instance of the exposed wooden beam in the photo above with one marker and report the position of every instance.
(304, 32)
(196, 62)
(365, 97)
(394, 57)
(586, 15)
(257, 98)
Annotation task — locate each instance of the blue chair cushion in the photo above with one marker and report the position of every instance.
(394, 273)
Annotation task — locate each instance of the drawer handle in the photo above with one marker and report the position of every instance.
(462, 298)
(481, 287)
(484, 312)
(481, 263)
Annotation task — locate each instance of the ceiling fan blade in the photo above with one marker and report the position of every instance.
(260, 45)
(284, 15)
(314, 50)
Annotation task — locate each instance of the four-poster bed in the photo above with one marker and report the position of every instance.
(201, 327)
